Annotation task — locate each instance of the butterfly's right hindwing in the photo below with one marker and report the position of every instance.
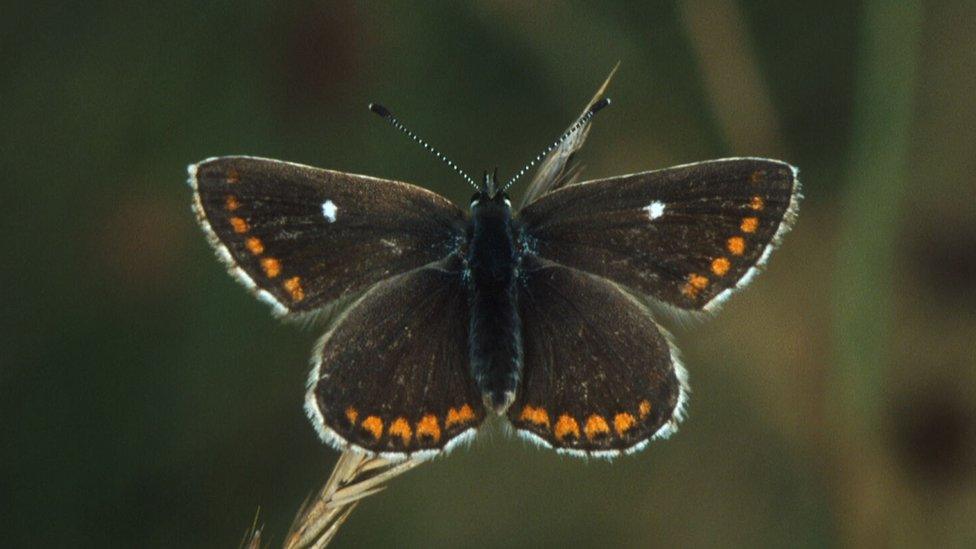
(600, 377)
(302, 237)
(392, 375)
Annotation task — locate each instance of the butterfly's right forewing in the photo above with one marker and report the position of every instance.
(687, 236)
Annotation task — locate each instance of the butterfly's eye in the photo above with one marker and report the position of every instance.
(475, 198)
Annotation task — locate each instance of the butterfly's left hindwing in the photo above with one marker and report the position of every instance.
(687, 235)
(391, 377)
(600, 377)
(302, 237)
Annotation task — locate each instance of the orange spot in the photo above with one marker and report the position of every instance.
(294, 287)
(596, 426)
(644, 408)
(736, 245)
(231, 203)
(254, 245)
(538, 416)
(239, 225)
(352, 414)
(720, 266)
(400, 428)
(566, 426)
(757, 176)
(757, 203)
(695, 284)
(463, 414)
(232, 175)
(749, 224)
(374, 425)
(623, 422)
(427, 427)
(271, 267)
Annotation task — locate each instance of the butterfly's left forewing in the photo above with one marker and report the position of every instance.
(302, 237)
(687, 236)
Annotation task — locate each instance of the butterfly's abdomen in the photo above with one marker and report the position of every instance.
(495, 332)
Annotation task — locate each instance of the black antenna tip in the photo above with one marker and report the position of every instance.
(380, 110)
(599, 105)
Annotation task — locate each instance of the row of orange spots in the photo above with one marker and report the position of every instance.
(596, 426)
(270, 265)
(735, 245)
(427, 427)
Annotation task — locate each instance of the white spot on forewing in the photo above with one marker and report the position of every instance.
(329, 210)
(654, 210)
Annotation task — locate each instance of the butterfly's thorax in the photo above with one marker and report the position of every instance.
(495, 330)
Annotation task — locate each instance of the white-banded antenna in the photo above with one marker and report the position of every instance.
(388, 116)
(575, 127)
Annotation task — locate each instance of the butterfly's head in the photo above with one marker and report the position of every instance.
(490, 193)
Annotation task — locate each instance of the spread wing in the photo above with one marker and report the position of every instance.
(687, 235)
(599, 376)
(392, 376)
(301, 237)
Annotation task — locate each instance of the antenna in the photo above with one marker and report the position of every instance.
(388, 116)
(579, 124)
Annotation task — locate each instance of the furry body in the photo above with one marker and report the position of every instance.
(495, 331)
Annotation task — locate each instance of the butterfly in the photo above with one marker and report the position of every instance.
(539, 314)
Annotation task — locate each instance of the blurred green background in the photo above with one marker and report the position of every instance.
(147, 400)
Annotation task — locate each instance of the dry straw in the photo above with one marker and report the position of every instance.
(355, 476)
